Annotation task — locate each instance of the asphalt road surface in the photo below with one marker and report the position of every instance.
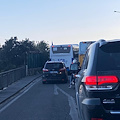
(42, 102)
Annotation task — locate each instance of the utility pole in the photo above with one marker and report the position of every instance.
(117, 11)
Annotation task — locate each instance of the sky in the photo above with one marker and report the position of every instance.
(59, 21)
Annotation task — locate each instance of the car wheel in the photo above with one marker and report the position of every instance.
(66, 81)
(80, 99)
(78, 106)
(43, 82)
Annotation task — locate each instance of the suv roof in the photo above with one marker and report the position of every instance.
(54, 62)
(102, 56)
(103, 42)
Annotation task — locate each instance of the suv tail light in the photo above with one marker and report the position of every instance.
(97, 119)
(100, 82)
(45, 70)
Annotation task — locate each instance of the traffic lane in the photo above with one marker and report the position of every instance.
(40, 103)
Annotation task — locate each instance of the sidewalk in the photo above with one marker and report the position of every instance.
(14, 88)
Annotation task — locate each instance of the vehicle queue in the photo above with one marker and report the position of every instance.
(97, 84)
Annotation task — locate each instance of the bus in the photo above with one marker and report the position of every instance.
(64, 53)
(82, 50)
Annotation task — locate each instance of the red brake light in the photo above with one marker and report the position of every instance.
(52, 46)
(91, 80)
(97, 119)
(107, 79)
(69, 45)
(100, 82)
(45, 70)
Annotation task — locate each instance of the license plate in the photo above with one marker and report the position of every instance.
(54, 74)
(53, 71)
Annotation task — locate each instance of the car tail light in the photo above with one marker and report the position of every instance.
(100, 82)
(45, 70)
(97, 119)
(44, 80)
(62, 69)
(91, 80)
(107, 79)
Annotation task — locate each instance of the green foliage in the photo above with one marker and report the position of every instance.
(43, 47)
(13, 53)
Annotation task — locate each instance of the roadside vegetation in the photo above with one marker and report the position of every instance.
(14, 52)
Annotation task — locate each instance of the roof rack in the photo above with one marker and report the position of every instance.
(102, 42)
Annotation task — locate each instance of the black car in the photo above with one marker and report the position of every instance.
(54, 71)
(98, 82)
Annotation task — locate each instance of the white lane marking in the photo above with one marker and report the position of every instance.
(73, 110)
(55, 90)
(7, 105)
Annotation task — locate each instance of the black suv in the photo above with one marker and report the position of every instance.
(98, 82)
(54, 71)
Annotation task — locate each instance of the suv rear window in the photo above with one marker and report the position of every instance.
(54, 66)
(109, 57)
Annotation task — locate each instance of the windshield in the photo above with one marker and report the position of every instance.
(54, 66)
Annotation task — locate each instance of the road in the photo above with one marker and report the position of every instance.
(42, 102)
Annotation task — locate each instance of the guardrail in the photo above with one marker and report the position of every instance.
(11, 76)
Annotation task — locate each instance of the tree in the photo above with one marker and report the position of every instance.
(8, 53)
(13, 53)
(43, 48)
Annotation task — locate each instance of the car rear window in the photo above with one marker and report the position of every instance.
(109, 57)
(61, 49)
(54, 66)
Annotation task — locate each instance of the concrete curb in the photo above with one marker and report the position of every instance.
(16, 87)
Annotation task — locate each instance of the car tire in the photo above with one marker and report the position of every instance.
(66, 81)
(80, 104)
(43, 82)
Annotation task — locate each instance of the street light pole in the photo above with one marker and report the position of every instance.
(117, 11)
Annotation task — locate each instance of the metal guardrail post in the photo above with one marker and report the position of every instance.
(26, 68)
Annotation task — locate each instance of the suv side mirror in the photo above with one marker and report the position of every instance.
(74, 67)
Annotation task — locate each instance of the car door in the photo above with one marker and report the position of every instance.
(80, 93)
